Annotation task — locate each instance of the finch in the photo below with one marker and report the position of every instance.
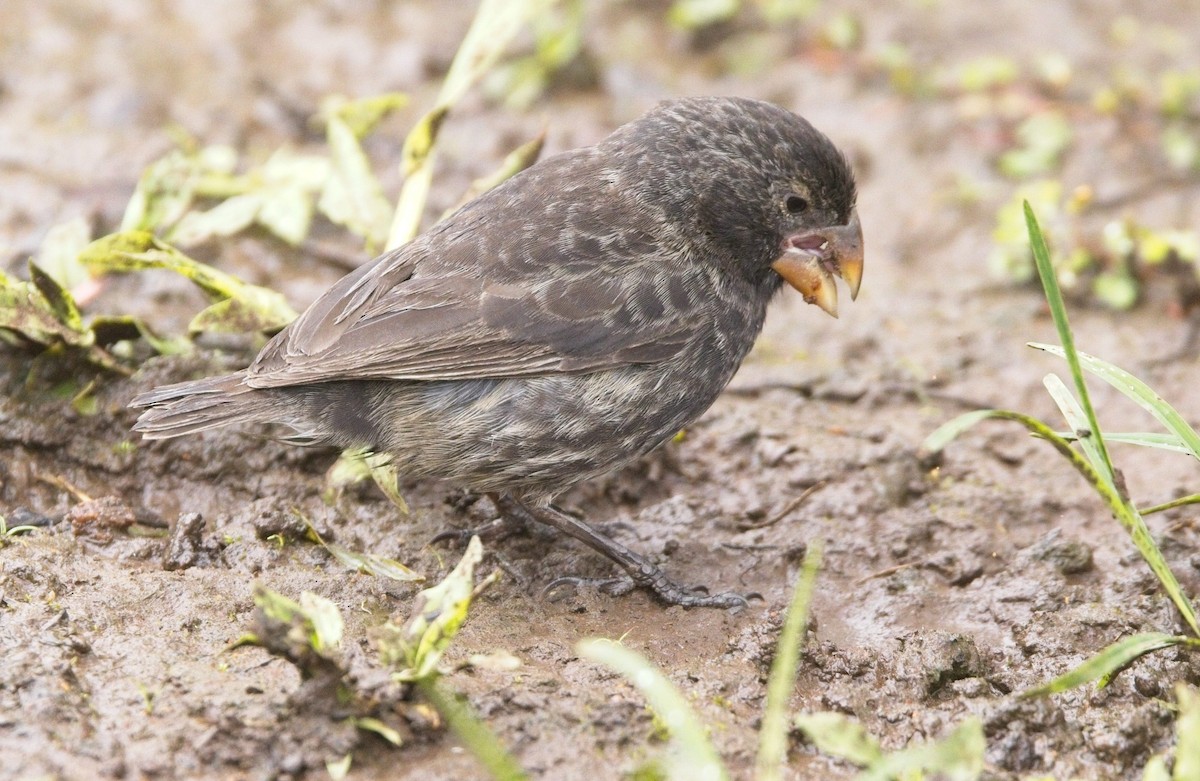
(564, 323)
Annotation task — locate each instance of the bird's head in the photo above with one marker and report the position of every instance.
(757, 186)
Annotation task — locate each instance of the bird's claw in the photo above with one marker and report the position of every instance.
(492, 531)
(665, 589)
(614, 587)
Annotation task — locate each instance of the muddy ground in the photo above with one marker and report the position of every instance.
(943, 593)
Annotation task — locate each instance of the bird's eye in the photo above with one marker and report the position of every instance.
(796, 204)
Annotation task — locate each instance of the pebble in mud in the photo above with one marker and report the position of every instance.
(936, 659)
(1068, 557)
(900, 480)
(275, 516)
(96, 519)
(185, 547)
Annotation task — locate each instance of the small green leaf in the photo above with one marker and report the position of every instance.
(1108, 662)
(289, 169)
(841, 736)
(326, 620)
(352, 196)
(1042, 139)
(558, 33)
(314, 619)
(956, 757)
(339, 769)
(1055, 69)
(169, 185)
(25, 310)
(231, 216)
(366, 563)
(361, 116)
(439, 613)
(1156, 247)
(379, 728)
(1011, 258)
(953, 429)
(387, 477)
(1156, 769)
(110, 329)
(698, 14)
(495, 24)
(355, 465)
(61, 303)
(1180, 146)
(1116, 289)
(784, 11)
(372, 564)
(239, 306)
(843, 31)
(287, 212)
(58, 254)
(987, 72)
(1177, 90)
(246, 313)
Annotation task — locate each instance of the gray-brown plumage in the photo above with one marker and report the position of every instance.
(564, 323)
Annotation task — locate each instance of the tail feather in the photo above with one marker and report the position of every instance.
(188, 407)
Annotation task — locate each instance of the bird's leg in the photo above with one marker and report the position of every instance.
(501, 527)
(640, 571)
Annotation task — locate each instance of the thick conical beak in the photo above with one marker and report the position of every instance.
(810, 261)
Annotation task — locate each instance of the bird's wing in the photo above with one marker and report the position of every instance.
(406, 319)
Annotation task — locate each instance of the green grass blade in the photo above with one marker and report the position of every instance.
(1187, 733)
(1139, 392)
(1133, 522)
(475, 735)
(1078, 422)
(1058, 310)
(1120, 506)
(1171, 505)
(1107, 662)
(772, 738)
(954, 428)
(695, 759)
(1156, 769)
(1141, 439)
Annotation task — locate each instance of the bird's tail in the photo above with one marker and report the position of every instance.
(188, 407)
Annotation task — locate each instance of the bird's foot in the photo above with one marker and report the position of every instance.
(639, 571)
(655, 580)
(493, 531)
(614, 587)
